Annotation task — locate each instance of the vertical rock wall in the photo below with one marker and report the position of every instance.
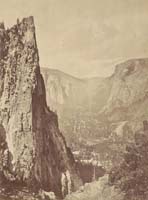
(38, 149)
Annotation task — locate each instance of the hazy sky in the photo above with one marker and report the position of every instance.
(84, 37)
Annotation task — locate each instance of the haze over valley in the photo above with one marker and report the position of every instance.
(73, 100)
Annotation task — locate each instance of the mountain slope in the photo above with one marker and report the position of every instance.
(128, 97)
(102, 114)
(66, 90)
(77, 101)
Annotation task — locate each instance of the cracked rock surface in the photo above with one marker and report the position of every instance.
(39, 154)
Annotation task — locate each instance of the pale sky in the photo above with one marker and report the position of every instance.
(84, 37)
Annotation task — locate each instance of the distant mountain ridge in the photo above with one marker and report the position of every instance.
(128, 96)
(94, 108)
(58, 72)
(83, 103)
(67, 83)
(77, 101)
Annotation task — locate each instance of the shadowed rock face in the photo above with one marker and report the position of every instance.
(39, 151)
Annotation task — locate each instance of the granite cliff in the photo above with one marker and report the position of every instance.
(32, 149)
(77, 101)
(102, 114)
(128, 96)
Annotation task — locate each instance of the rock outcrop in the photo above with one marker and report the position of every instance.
(131, 176)
(39, 155)
(128, 96)
(97, 190)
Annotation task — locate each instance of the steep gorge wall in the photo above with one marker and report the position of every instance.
(38, 149)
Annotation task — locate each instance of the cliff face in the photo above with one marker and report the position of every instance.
(77, 101)
(61, 88)
(64, 90)
(128, 96)
(103, 113)
(30, 130)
